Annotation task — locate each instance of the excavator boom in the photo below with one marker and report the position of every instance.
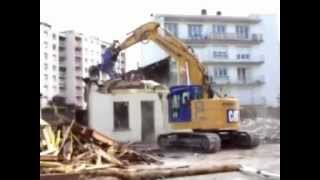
(214, 121)
(174, 47)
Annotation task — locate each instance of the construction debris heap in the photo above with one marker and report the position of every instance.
(72, 148)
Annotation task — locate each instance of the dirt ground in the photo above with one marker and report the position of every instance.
(265, 157)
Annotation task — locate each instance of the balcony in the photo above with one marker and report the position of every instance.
(259, 80)
(256, 60)
(230, 38)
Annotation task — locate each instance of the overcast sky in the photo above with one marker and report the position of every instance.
(112, 19)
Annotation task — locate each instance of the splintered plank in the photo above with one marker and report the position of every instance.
(90, 133)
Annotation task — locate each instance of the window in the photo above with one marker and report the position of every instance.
(220, 72)
(78, 59)
(121, 115)
(54, 57)
(242, 32)
(79, 78)
(54, 67)
(78, 88)
(79, 98)
(45, 56)
(243, 56)
(46, 76)
(54, 36)
(45, 33)
(218, 29)
(195, 31)
(62, 59)
(220, 54)
(172, 28)
(241, 72)
(54, 77)
(62, 69)
(45, 66)
(54, 47)
(45, 44)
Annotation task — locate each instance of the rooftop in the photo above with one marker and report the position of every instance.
(209, 18)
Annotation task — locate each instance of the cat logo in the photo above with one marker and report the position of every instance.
(233, 115)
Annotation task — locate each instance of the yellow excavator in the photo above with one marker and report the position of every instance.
(214, 120)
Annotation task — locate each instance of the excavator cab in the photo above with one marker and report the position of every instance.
(179, 99)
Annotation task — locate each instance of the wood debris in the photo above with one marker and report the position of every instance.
(72, 148)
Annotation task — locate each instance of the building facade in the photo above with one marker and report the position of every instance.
(49, 63)
(241, 54)
(77, 53)
(65, 58)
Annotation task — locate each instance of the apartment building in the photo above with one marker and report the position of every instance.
(49, 63)
(77, 52)
(241, 54)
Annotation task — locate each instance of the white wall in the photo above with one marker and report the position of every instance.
(271, 67)
(102, 118)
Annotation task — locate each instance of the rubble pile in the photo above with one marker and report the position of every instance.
(268, 129)
(72, 148)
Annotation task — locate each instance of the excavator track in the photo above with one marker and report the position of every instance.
(245, 140)
(208, 142)
(204, 142)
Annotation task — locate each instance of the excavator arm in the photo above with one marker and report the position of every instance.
(171, 45)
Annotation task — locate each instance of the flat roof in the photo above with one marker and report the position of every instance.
(209, 18)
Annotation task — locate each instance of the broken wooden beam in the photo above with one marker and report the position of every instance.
(90, 133)
(166, 172)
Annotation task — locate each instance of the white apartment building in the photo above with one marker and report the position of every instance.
(49, 63)
(241, 54)
(77, 53)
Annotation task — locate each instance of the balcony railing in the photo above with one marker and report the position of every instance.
(252, 60)
(226, 37)
(259, 80)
